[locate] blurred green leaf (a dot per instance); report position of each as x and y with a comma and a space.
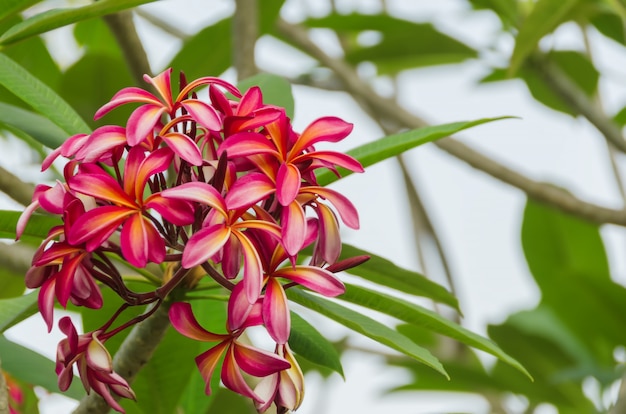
12, 7
33, 368
15, 310
43, 99
11, 283
403, 44
545, 16
567, 258
578, 68
276, 90
35, 125
392, 145
55, 18
366, 326
36, 229
506, 10
386, 273
81, 92
610, 25
417, 315
96, 38
211, 61
620, 117
226, 401
308, 343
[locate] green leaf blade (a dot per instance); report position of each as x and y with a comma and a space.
308, 343
392, 145
15, 310
276, 90
368, 327
43, 99
36, 126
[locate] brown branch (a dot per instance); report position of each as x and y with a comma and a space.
135, 352
122, 27
15, 188
397, 115
245, 33
578, 100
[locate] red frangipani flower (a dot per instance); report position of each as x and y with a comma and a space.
223, 189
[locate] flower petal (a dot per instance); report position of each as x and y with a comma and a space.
178, 212
330, 129
204, 244
142, 122
185, 147
232, 378
345, 208
294, 228
198, 192
125, 96
45, 302
332, 158
95, 226
252, 270
257, 362
249, 190
183, 320
101, 186
207, 361
203, 114
162, 84
101, 142
98, 357
141, 242
244, 144
288, 183
329, 240
315, 278
238, 308
276, 311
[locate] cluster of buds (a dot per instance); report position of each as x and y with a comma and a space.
225, 186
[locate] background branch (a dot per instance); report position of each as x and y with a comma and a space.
245, 33
15, 188
4, 394
122, 27
390, 110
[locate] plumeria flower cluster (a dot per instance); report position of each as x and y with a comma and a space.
224, 187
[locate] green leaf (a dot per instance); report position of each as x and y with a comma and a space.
33, 368
417, 315
611, 25
55, 18
36, 229
620, 117
308, 343
12, 7
578, 68
507, 10
43, 99
15, 310
386, 273
397, 49
212, 61
366, 326
81, 92
567, 258
276, 90
545, 16
35, 125
11, 282
392, 145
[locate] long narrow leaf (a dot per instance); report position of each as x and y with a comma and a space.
12, 7
35, 125
367, 326
33, 368
53, 19
392, 145
36, 229
308, 343
386, 273
422, 317
43, 99
17, 309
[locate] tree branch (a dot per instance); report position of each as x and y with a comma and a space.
122, 27
391, 111
4, 394
245, 33
15, 188
578, 100
135, 352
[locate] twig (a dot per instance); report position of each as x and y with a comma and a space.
4, 394
162, 24
15, 188
123, 28
578, 100
245, 33
390, 110
135, 352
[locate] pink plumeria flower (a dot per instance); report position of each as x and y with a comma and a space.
93, 362
239, 357
125, 206
285, 388
145, 118
222, 222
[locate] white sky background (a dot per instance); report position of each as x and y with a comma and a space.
478, 218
